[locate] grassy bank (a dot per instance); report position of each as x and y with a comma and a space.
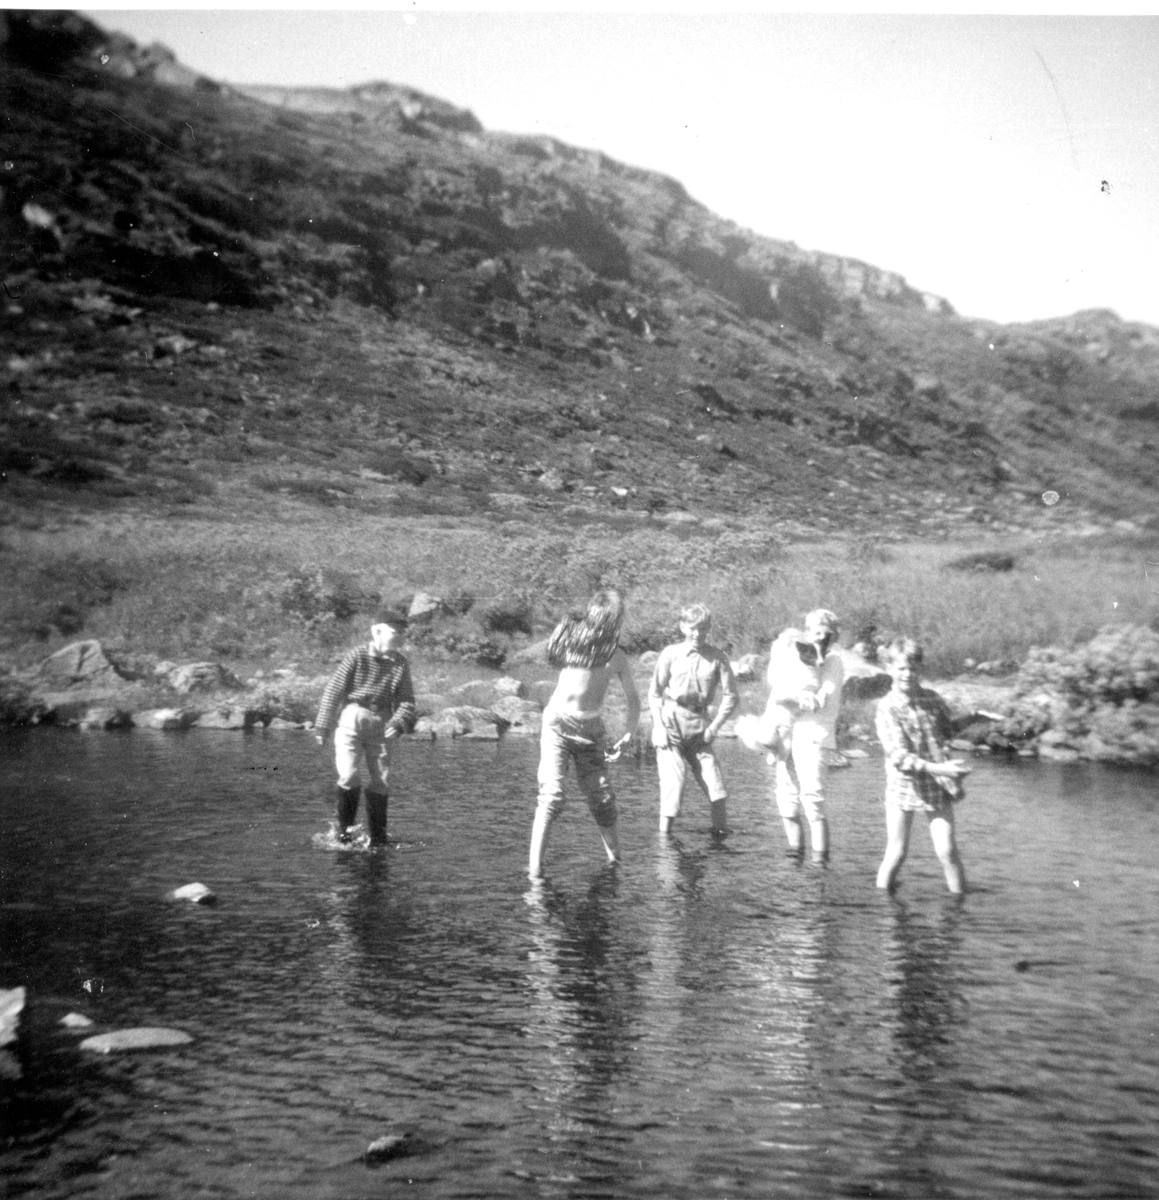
296, 587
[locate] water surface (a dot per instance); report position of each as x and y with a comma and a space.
707, 1020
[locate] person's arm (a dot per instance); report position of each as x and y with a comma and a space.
729, 698
899, 752
832, 680
660, 677
405, 710
333, 697
623, 671
949, 768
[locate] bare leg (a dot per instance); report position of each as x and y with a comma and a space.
897, 830
787, 798
540, 828
611, 842
946, 847
819, 830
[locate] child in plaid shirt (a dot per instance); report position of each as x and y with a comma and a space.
913, 725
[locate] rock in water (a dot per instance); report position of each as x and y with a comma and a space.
195, 893
391, 1145
75, 1021
144, 1038
11, 1006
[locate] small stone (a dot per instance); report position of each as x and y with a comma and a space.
143, 1038
75, 1021
195, 893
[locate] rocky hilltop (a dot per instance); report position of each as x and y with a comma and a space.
362, 298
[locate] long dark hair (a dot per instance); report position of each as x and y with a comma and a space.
588, 639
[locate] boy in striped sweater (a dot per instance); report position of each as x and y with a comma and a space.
367, 704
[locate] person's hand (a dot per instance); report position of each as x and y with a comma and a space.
617, 748
953, 768
708, 736
807, 702
321, 738
391, 731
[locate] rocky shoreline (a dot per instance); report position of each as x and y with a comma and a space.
1056, 706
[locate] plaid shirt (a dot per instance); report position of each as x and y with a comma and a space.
381, 683
914, 730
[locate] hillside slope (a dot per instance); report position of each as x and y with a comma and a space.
363, 299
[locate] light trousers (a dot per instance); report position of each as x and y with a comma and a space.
358, 735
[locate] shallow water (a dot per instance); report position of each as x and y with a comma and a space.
707, 1020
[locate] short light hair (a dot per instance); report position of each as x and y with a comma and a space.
695, 614
823, 618
903, 650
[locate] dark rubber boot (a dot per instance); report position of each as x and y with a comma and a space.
347, 811
376, 817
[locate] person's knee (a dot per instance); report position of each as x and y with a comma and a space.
602, 803
550, 803
604, 811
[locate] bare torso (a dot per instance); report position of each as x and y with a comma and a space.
581, 690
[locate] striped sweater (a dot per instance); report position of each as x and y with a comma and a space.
382, 684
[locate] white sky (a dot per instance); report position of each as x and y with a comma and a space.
1008, 163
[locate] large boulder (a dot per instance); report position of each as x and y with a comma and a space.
425, 607
81, 663
202, 677
467, 721
228, 716
524, 717
165, 718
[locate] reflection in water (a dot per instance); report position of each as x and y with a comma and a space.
919, 952
580, 1022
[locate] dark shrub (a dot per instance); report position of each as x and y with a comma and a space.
983, 560
317, 593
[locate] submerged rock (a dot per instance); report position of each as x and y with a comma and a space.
143, 1038
390, 1145
76, 1021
